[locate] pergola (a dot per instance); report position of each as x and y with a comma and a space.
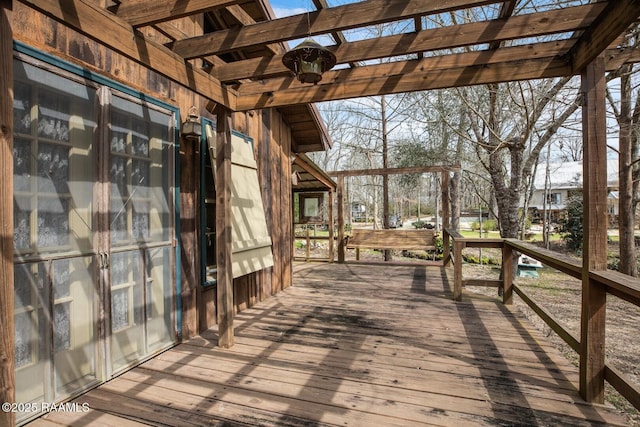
240, 68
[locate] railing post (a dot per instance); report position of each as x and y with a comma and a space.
446, 248
507, 273
457, 269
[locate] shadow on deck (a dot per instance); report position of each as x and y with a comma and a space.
355, 345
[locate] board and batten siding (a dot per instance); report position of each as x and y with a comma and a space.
268, 129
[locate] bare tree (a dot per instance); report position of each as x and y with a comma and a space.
627, 114
510, 125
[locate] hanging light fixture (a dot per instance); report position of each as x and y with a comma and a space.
192, 128
309, 60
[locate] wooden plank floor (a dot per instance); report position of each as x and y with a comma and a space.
354, 345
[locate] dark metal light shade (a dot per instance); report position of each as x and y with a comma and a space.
309, 60
191, 128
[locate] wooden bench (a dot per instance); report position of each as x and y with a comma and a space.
422, 239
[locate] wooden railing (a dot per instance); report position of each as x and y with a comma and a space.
622, 286
307, 238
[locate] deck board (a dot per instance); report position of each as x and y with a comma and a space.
356, 345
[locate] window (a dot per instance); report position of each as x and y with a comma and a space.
53, 194
138, 143
208, 205
554, 198
311, 207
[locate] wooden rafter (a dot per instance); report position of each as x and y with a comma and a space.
256, 65
612, 22
113, 32
146, 12
414, 78
515, 27
543, 51
305, 164
506, 10
338, 36
243, 18
417, 24
465, 69
320, 22
395, 171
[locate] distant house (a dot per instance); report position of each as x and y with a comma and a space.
565, 179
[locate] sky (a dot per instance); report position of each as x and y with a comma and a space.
294, 7
288, 7
284, 8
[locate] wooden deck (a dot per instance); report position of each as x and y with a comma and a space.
355, 345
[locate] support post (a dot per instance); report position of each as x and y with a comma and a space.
592, 334
446, 215
223, 228
331, 227
7, 356
188, 237
446, 200
340, 202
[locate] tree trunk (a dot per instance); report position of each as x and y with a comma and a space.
626, 220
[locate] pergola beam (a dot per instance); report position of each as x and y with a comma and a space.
612, 22
338, 36
542, 51
244, 18
395, 171
414, 79
330, 185
147, 12
510, 28
116, 34
506, 10
323, 21
534, 62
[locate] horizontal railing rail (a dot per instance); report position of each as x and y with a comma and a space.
307, 238
620, 285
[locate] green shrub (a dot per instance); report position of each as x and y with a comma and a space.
489, 225
418, 224
571, 230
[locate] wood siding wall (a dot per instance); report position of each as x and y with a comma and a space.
272, 139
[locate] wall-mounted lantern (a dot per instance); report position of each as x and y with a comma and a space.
192, 128
309, 60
